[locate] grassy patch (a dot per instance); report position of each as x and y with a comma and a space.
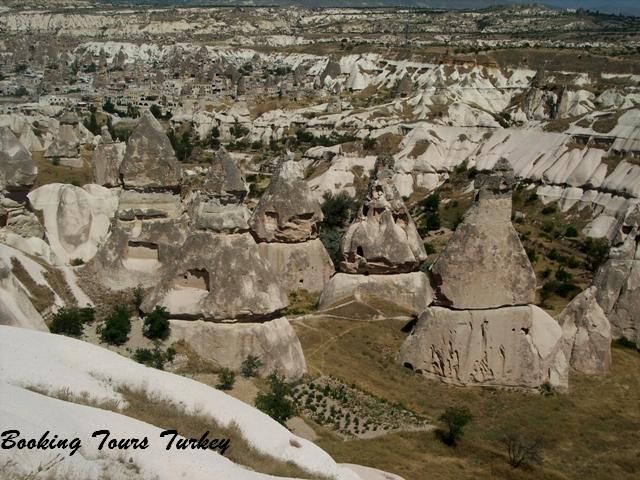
594, 431
301, 302
50, 173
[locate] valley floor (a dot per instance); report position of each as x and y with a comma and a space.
591, 433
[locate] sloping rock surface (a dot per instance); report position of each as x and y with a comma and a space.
274, 342
287, 212
484, 264
76, 219
17, 169
376, 296
512, 347
383, 238
218, 277
298, 266
586, 334
149, 160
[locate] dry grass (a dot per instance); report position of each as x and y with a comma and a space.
56, 279
50, 173
169, 416
41, 296
594, 430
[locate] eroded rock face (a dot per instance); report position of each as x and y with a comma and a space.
16, 308
149, 161
218, 277
224, 181
148, 205
17, 169
515, 347
107, 158
618, 288
287, 212
376, 296
484, 264
65, 148
383, 238
215, 217
298, 266
136, 251
274, 342
76, 219
586, 334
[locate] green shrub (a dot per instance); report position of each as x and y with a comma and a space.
430, 203
597, 250
138, 296
571, 231
155, 358
429, 248
531, 253
156, 324
624, 342
564, 289
116, 327
532, 198
562, 275
68, 321
455, 420
226, 379
337, 209
330, 238
549, 209
76, 262
276, 403
250, 366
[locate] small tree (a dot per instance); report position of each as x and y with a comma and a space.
138, 296
108, 106
337, 209
156, 324
277, 403
250, 366
67, 321
521, 451
156, 111
455, 419
226, 379
116, 327
597, 250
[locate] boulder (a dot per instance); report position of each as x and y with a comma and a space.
16, 308
218, 277
107, 158
149, 160
586, 334
383, 238
76, 219
518, 347
274, 342
224, 180
376, 296
484, 264
287, 212
17, 169
298, 266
